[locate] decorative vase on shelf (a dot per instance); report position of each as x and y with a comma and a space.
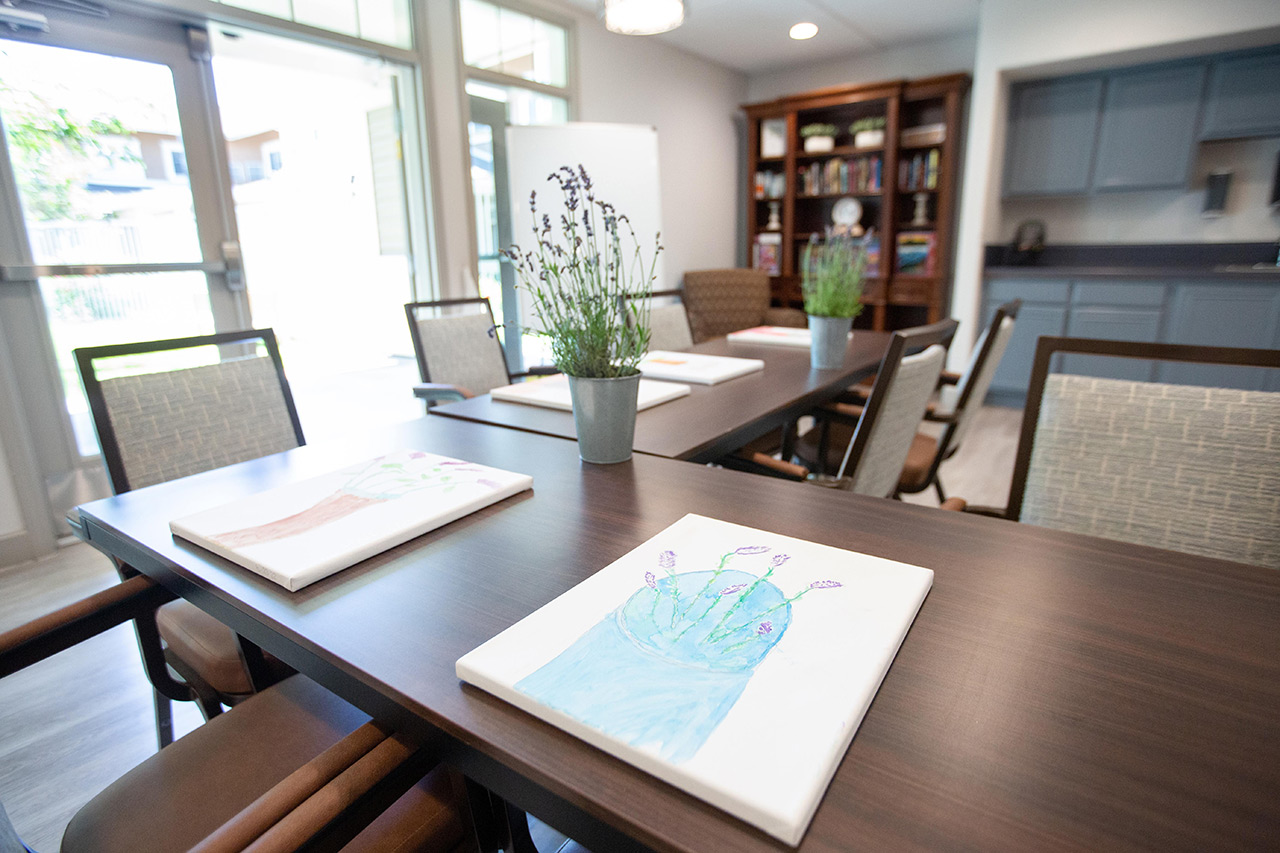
577, 273
819, 144
831, 280
604, 413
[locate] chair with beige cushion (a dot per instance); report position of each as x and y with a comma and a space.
292, 767
458, 351
1115, 448
172, 408
668, 320
722, 301
929, 449
870, 461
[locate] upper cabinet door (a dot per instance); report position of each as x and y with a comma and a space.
1243, 97
1052, 128
1148, 134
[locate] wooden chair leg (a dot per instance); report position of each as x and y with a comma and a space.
937, 487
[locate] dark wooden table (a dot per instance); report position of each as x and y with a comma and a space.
713, 420
1055, 691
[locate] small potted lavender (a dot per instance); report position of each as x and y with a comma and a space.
581, 264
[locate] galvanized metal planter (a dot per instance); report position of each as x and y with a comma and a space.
604, 412
829, 338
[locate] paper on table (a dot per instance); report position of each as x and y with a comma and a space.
302, 532
696, 367
733, 663
552, 392
780, 335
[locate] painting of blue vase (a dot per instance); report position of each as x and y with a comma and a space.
706, 657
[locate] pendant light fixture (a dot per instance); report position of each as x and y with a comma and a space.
642, 17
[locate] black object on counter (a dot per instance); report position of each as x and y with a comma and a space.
1028, 243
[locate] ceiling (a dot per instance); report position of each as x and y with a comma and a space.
751, 35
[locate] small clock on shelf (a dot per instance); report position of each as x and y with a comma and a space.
846, 217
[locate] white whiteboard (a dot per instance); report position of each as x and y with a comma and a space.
622, 160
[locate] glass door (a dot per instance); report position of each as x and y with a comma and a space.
486, 135
117, 231
315, 150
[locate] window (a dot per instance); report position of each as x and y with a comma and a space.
513, 44
179, 162
517, 73
383, 21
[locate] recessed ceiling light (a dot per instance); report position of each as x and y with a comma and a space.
804, 30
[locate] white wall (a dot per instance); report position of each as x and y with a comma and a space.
1024, 38
921, 59
694, 105
1167, 216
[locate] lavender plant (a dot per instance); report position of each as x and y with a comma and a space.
722, 618
832, 272
580, 267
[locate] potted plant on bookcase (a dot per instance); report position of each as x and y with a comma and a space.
580, 266
818, 137
831, 281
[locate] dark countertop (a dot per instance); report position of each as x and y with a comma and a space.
1146, 262
1058, 273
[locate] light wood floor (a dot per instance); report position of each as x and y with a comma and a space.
72, 724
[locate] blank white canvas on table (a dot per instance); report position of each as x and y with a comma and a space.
301, 532
744, 689
696, 367
552, 392
783, 336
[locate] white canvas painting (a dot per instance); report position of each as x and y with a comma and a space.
552, 392
733, 663
696, 367
783, 336
302, 532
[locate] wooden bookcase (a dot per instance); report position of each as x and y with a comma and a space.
892, 182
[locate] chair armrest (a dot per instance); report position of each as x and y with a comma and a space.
789, 470
63, 628
321, 794
931, 413
844, 413
437, 392
793, 317
954, 504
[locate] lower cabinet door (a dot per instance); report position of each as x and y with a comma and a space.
1238, 315
1014, 373
1113, 324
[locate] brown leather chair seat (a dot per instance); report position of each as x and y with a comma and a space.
209, 647
185, 791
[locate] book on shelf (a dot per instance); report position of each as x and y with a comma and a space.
732, 662
695, 367
920, 172
916, 253
552, 392
836, 176
770, 184
297, 534
768, 252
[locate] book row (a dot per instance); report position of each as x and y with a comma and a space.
831, 177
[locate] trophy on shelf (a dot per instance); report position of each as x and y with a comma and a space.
775, 217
